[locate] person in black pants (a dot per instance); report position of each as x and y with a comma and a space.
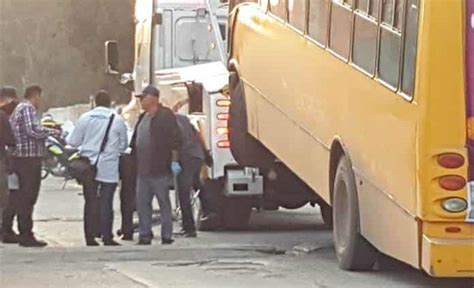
128, 194
102, 137
7, 139
192, 156
30, 148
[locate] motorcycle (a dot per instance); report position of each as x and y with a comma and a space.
58, 155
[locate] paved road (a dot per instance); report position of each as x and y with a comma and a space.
280, 249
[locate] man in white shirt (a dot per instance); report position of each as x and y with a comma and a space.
88, 135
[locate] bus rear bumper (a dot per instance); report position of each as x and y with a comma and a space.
448, 257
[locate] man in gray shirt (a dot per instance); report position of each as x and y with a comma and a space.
156, 142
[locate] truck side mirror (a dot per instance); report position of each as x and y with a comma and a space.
111, 57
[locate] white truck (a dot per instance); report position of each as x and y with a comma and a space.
181, 47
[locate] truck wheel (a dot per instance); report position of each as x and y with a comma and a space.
352, 250
211, 191
247, 151
326, 213
289, 201
236, 213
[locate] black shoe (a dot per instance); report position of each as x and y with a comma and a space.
10, 238
144, 242
127, 237
32, 242
166, 241
190, 234
111, 242
91, 242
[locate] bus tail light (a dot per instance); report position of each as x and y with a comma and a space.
223, 116
223, 103
451, 160
222, 131
452, 182
454, 205
452, 229
223, 144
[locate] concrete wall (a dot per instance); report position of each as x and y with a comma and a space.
59, 44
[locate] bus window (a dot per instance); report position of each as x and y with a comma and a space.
297, 13
411, 36
387, 11
318, 20
392, 13
390, 41
374, 8
278, 8
370, 7
365, 41
340, 35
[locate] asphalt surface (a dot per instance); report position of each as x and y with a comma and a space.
280, 249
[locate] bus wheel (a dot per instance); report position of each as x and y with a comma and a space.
352, 250
326, 213
236, 212
246, 150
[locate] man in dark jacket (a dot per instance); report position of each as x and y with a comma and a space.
7, 139
156, 142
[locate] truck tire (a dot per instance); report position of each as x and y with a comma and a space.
246, 150
291, 191
236, 213
213, 190
353, 252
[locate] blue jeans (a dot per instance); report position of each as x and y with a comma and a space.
106, 194
147, 188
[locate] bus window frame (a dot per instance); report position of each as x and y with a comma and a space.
344, 5
389, 27
303, 32
270, 12
366, 16
312, 40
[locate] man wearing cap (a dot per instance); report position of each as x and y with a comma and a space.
155, 142
7, 139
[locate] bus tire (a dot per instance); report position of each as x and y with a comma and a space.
353, 251
236, 213
246, 150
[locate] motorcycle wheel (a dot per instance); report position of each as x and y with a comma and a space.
44, 173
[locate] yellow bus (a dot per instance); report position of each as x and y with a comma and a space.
370, 103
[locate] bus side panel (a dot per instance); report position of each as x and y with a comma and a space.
387, 226
301, 97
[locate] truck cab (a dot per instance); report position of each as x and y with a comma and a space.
172, 34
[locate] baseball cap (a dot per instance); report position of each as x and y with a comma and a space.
149, 90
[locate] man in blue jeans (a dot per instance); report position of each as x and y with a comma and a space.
155, 142
89, 135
